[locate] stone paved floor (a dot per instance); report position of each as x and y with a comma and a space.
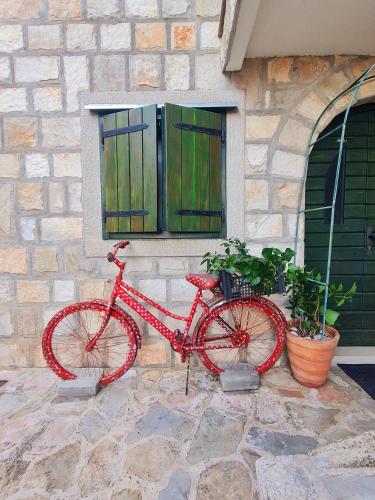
142, 438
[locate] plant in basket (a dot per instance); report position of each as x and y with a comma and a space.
243, 274
310, 352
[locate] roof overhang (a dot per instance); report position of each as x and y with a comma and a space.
277, 28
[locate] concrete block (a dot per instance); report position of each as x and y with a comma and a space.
241, 377
87, 385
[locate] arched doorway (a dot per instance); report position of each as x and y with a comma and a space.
353, 253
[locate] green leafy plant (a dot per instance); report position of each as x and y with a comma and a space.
260, 272
306, 299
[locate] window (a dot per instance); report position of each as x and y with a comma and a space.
162, 171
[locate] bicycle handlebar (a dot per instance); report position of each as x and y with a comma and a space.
111, 256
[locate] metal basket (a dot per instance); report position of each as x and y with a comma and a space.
235, 287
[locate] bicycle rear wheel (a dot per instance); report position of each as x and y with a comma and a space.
253, 328
68, 332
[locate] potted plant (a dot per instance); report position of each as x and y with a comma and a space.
262, 274
310, 352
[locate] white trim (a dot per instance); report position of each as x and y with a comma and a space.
354, 355
102, 107
240, 32
95, 246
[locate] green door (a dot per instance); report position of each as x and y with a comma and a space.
353, 253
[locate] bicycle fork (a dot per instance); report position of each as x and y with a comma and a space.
91, 344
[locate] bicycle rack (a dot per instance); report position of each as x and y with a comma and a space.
354, 88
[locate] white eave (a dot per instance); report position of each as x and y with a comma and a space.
277, 28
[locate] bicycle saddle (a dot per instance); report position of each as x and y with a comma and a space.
202, 281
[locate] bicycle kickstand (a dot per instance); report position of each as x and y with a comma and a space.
187, 376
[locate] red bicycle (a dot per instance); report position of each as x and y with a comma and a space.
99, 335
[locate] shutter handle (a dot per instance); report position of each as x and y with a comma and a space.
370, 239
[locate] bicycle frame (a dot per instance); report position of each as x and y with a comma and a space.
184, 344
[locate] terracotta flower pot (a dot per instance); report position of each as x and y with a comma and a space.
310, 360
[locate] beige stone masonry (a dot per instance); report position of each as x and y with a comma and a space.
115, 36
109, 72
145, 71
279, 70
13, 260
68, 9
19, 9
48, 37
183, 36
145, 9
9, 165
45, 260
102, 9
37, 69
261, 127
80, 37
60, 228
61, 133
150, 36
32, 291
11, 37
30, 196
47, 99
20, 134
13, 100
5, 73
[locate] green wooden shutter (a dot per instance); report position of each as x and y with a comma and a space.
130, 171
193, 161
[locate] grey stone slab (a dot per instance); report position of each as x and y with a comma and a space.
351, 487
178, 486
160, 420
81, 386
279, 443
240, 378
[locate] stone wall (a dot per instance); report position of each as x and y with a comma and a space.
51, 51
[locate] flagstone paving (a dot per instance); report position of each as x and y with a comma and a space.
142, 438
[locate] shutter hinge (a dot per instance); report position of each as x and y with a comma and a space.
125, 213
124, 130
203, 213
223, 136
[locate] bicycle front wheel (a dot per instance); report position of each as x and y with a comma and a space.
242, 331
68, 332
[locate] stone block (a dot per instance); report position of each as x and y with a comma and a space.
30, 196
334, 84
288, 164
80, 37
28, 228
13, 355
56, 196
98, 8
37, 69
92, 289
20, 134
146, 8
171, 8
6, 327
6, 291
249, 78
256, 155
182, 290
76, 263
67, 165
76, 80
261, 127
115, 36
68, 9
19, 9
311, 106
45, 259
241, 378
109, 73
11, 37
310, 68
81, 387
61, 132
144, 71
32, 291
256, 194
7, 219
45, 36
9, 165
359, 66
295, 135
172, 266
5, 73
259, 226
285, 195
47, 99
213, 79
177, 72
13, 100
27, 321
36, 165
279, 69
183, 36
63, 290
152, 354
75, 196
150, 36
209, 38
61, 228
154, 288
226, 479
208, 8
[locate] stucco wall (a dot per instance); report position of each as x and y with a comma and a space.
49, 54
